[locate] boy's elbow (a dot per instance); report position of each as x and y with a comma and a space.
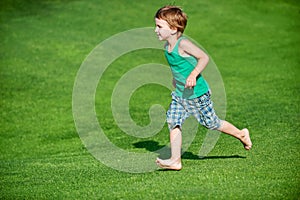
206, 58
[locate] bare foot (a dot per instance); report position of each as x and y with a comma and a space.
246, 139
168, 164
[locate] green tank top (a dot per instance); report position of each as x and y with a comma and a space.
181, 68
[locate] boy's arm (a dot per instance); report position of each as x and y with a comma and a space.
189, 48
174, 83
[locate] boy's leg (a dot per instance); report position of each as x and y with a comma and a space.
242, 135
174, 162
206, 115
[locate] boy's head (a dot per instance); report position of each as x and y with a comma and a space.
174, 16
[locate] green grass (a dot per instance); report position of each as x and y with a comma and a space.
255, 45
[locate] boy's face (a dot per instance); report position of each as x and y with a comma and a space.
163, 30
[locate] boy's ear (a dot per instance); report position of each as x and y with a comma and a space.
174, 31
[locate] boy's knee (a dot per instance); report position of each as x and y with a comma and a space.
172, 126
213, 125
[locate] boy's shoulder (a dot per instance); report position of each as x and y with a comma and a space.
184, 42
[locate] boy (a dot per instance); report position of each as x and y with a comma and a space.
192, 93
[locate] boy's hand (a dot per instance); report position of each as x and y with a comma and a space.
190, 81
174, 83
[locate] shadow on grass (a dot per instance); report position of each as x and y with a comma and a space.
153, 146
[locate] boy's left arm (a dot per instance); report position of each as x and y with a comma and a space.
203, 59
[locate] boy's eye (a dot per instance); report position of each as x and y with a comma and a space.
158, 26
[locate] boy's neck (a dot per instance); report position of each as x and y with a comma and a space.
172, 40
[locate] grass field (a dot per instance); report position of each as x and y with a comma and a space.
255, 45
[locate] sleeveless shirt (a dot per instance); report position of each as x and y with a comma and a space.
181, 67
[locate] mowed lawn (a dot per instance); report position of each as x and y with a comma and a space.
255, 45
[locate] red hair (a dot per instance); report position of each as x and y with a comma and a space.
174, 16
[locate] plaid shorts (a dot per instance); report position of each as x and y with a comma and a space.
201, 108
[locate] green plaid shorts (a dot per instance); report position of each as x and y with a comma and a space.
201, 108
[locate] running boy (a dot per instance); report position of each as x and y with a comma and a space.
192, 93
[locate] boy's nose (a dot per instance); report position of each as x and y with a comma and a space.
156, 29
